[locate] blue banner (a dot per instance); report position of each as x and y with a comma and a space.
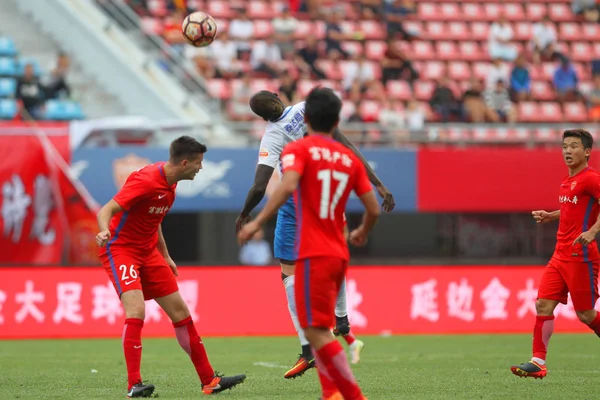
226, 177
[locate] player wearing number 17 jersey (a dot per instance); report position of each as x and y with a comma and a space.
321, 173
573, 268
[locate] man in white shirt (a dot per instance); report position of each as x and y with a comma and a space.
501, 34
284, 27
497, 72
543, 39
266, 57
241, 30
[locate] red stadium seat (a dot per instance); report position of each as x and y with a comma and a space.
569, 31
549, 112
583, 71
560, 12
372, 30
459, 70
219, 88
492, 11
158, 8
581, 51
480, 31
575, 112
220, 9
348, 108
399, 90
481, 69
352, 47
528, 111
590, 32
414, 27
450, 11
514, 12
260, 10
375, 50
447, 51
422, 51
429, 12
458, 31
473, 12
432, 70
424, 90
522, 31
542, 90
535, 11
152, 26
369, 110
262, 29
548, 70
436, 30
470, 51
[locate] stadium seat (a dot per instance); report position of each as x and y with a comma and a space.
8, 87
433, 70
423, 51
152, 25
219, 88
590, 32
260, 10
8, 67
348, 108
375, 50
436, 30
399, 90
7, 47
528, 111
581, 51
570, 31
481, 69
61, 110
514, 12
458, 31
542, 91
459, 70
353, 47
470, 51
429, 12
369, 110
492, 11
473, 12
424, 90
522, 31
262, 29
220, 9
480, 31
446, 51
549, 112
560, 12
450, 12
575, 112
535, 11
372, 30
8, 109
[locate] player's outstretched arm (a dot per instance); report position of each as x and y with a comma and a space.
256, 193
103, 217
388, 199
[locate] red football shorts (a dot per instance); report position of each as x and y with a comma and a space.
580, 279
149, 273
318, 282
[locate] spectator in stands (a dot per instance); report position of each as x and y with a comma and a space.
543, 40
499, 106
30, 92
307, 57
266, 57
391, 116
443, 101
359, 77
224, 54
520, 80
55, 84
499, 41
284, 27
474, 108
594, 100
356, 118
498, 71
288, 91
565, 81
587, 8
239, 110
396, 64
415, 117
257, 251
334, 36
241, 31
370, 9
202, 59
395, 13
182, 6
172, 29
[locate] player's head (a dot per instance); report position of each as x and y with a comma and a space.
267, 105
577, 146
186, 155
322, 110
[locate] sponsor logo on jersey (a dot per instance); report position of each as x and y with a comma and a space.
263, 152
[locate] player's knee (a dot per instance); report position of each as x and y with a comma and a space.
287, 268
587, 317
545, 307
135, 311
133, 304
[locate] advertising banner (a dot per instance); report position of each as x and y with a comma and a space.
80, 302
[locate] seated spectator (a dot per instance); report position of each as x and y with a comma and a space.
565, 81
55, 84
30, 92
520, 80
241, 31
288, 91
587, 8
594, 100
392, 119
257, 251
307, 57
499, 106
370, 9
498, 71
239, 109
395, 13
266, 57
499, 41
443, 101
415, 117
284, 27
334, 36
202, 59
474, 108
224, 54
359, 78
397, 65
543, 40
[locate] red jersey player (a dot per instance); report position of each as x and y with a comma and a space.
321, 173
573, 267
135, 257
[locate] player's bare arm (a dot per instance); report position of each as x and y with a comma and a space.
388, 199
162, 247
103, 217
542, 216
255, 194
289, 183
358, 237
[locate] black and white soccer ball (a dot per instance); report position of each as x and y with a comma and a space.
199, 29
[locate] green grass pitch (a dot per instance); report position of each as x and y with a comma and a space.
397, 367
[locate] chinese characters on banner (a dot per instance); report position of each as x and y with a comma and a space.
81, 302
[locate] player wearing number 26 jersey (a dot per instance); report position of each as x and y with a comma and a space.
321, 174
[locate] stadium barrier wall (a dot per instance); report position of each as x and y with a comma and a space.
79, 302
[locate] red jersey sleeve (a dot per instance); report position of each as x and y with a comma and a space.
293, 158
362, 184
593, 186
132, 191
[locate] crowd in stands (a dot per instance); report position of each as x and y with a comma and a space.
28, 91
400, 62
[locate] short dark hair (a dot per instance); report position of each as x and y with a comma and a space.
267, 105
322, 109
586, 138
185, 147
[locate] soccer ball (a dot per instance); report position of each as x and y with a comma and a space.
199, 29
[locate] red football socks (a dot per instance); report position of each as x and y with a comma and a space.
595, 325
349, 338
191, 343
132, 347
544, 325
332, 357
329, 388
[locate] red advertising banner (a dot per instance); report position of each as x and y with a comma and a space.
30, 219
489, 179
80, 302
